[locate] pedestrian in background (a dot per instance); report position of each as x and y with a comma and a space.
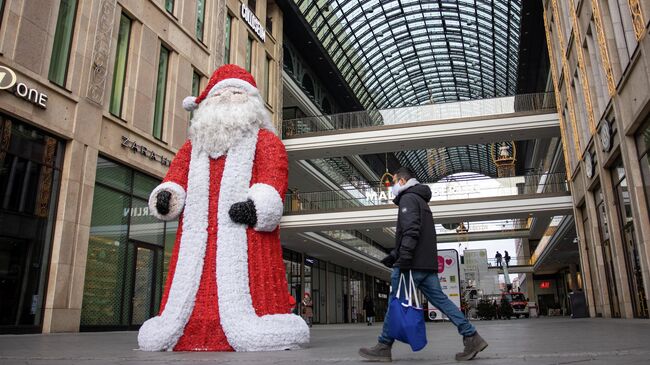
507, 258
369, 308
307, 309
416, 252
498, 257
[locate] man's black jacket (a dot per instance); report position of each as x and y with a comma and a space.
416, 246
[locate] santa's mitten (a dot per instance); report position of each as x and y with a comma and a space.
243, 213
268, 206
167, 200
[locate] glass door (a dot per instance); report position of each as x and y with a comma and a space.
145, 283
639, 300
611, 279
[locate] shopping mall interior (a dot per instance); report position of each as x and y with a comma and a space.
529, 121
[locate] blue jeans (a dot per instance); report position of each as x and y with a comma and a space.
429, 284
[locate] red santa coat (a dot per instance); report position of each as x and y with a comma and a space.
226, 288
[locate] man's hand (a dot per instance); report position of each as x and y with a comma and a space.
162, 201
405, 259
388, 261
244, 213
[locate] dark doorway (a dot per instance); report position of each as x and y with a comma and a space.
30, 170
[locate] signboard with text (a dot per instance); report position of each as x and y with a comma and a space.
449, 276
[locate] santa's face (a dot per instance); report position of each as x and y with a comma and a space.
223, 118
229, 95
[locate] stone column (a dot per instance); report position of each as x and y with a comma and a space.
70, 240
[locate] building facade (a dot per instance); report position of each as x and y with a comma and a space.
90, 118
599, 56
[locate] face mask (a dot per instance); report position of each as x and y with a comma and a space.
395, 189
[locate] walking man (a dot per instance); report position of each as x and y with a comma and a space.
416, 251
506, 256
498, 257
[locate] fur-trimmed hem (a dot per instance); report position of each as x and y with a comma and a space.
161, 333
245, 330
176, 203
268, 205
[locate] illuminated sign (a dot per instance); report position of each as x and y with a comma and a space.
253, 22
545, 285
9, 82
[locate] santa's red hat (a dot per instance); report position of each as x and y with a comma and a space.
225, 76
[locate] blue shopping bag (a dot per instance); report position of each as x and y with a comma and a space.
406, 321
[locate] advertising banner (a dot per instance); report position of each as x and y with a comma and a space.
449, 275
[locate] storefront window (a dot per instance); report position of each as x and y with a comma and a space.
30, 173
608, 258
630, 247
337, 294
316, 276
293, 267
593, 267
643, 147
356, 297
128, 250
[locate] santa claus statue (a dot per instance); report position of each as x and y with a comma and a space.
226, 288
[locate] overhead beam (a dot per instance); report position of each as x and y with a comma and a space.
422, 135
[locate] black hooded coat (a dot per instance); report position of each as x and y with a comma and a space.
416, 246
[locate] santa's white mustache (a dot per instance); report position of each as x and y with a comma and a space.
221, 120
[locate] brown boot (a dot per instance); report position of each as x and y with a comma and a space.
473, 345
380, 352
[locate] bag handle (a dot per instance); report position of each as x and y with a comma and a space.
399, 287
413, 292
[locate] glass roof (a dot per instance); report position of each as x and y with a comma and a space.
405, 52
396, 53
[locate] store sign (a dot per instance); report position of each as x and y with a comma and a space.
138, 148
545, 285
9, 82
253, 22
449, 276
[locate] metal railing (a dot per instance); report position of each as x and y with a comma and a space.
537, 102
374, 194
514, 261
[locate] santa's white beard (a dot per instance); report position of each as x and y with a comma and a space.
219, 122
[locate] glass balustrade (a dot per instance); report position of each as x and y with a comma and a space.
523, 103
375, 194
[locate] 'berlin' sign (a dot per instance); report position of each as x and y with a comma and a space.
253, 22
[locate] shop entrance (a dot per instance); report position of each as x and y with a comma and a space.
146, 282
30, 168
127, 251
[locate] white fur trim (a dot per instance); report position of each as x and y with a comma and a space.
161, 333
236, 83
189, 103
245, 330
176, 203
268, 205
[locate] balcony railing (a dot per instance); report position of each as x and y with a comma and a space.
538, 102
514, 261
374, 194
